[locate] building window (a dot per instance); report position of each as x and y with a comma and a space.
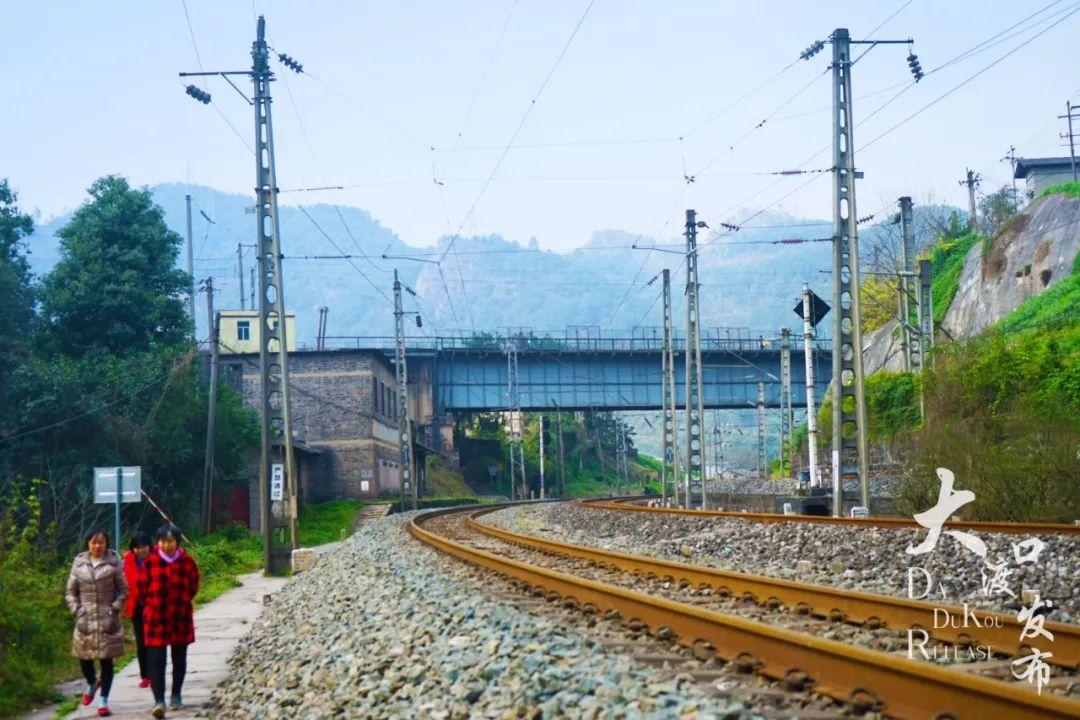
243, 330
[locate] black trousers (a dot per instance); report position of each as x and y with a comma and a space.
87, 667
156, 658
140, 646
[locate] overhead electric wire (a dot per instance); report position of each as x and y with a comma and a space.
338, 248
479, 87
524, 119
964, 82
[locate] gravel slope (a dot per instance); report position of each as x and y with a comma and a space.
870, 559
387, 628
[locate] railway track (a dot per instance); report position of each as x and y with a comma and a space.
745, 620
632, 505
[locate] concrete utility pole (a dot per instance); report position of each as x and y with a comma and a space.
516, 461
695, 407
277, 482
908, 336
252, 286
811, 410
972, 180
1010, 157
320, 333
190, 268
559, 450
409, 481
787, 415
543, 427
849, 404
620, 455
762, 454
275, 392
669, 439
211, 413
240, 271
924, 306
1068, 116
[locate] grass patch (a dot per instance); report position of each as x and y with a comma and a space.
1057, 307
322, 523
946, 261
441, 481
222, 556
1069, 189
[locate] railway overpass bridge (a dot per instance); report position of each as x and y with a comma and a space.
576, 372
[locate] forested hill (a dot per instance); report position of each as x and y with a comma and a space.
747, 280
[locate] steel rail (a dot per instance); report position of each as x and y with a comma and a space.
997, 631
898, 687
884, 522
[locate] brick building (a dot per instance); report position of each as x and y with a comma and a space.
344, 408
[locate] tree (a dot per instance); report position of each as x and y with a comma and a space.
999, 207
116, 286
16, 288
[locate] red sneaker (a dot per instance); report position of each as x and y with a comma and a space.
104, 712
89, 698
144, 683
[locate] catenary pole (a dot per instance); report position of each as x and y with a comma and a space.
190, 265
277, 514
694, 398
211, 412
849, 405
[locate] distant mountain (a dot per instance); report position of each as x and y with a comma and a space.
748, 280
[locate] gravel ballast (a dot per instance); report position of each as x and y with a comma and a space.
863, 558
386, 627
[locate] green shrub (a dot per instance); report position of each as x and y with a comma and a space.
1070, 189
1003, 413
946, 262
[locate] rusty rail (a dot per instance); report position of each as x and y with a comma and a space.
896, 686
884, 522
996, 630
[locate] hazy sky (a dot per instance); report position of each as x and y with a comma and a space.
93, 89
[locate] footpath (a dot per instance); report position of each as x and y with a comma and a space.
218, 626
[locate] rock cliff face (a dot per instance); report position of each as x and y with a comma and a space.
1032, 252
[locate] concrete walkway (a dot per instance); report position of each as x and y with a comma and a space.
218, 626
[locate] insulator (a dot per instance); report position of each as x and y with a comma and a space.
916, 68
200, 95
812, 50
290, 63
729, 226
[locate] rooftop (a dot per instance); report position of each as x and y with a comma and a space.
1024, 166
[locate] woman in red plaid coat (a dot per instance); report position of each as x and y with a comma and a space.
168, 581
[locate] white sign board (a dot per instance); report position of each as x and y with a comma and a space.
788, 510
365, 486
860, 511
277, 481
105, 484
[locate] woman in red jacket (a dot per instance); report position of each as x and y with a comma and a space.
167, 585
138, 550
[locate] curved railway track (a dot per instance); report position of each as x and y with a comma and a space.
630, 505
862, 678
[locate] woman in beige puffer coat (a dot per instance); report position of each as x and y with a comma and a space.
96, 590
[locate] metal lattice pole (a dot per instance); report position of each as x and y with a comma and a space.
787, 417
273, 344
924, 307
408, 479
667, 427
695, 410
849, 405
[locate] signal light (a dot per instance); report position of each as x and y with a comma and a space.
916, 68
419, 322
290, 63
200, 95
812, 50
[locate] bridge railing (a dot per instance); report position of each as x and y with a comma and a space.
542, 343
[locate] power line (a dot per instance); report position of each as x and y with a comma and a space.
521, 123
338, 248
964, 82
